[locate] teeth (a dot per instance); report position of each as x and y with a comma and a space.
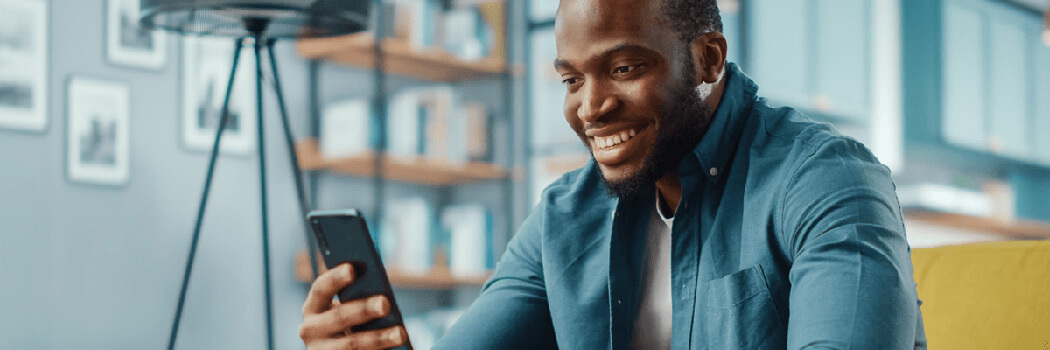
609, 141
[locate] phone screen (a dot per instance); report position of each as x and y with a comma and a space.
342, 237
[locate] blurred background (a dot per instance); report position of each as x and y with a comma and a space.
105, 131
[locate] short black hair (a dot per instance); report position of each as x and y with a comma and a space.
692, 18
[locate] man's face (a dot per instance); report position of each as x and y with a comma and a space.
630, 96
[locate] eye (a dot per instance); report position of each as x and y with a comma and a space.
624, 69
570, 81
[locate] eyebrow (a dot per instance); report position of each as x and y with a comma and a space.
559, 64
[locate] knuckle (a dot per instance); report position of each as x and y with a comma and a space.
363, 341
348, 313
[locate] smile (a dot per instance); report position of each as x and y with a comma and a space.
606, 142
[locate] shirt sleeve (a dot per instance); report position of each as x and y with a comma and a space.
852, 285
512, 310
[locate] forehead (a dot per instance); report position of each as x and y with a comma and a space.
587, 27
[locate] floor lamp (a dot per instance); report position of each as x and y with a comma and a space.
262, 22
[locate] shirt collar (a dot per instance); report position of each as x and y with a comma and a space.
716, 148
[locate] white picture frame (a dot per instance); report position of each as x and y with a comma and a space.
205, 72
23, 65
97, 137
127, 44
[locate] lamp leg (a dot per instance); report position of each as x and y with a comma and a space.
304, 207
223, 118
259, 45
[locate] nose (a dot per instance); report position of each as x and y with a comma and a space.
598, 101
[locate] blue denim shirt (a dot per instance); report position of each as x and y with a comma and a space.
788, 235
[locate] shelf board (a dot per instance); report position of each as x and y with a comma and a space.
1019, 229
400, 57
436, 279
420, 170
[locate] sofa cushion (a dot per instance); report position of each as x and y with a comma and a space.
985, 295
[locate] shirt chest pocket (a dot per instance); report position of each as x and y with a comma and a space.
739, 313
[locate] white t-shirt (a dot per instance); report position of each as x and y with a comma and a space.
652, 325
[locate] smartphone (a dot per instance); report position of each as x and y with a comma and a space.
342, 237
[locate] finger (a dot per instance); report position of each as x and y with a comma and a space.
324, 288
377, 339
341, 318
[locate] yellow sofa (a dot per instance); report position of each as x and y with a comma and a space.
985, 295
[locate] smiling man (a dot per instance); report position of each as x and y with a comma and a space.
706, 220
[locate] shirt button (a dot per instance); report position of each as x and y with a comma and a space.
714, 171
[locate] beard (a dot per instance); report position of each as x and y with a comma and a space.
683, 120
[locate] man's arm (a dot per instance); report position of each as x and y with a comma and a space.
512, 311
851, 280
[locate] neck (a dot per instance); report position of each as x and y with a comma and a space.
670, 189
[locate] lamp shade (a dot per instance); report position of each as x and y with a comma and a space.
267, 18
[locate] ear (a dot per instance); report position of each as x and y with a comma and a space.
709, 56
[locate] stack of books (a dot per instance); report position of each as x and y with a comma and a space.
466, 29
435, 123
422, 122
411, 238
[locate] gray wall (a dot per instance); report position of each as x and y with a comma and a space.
94, 267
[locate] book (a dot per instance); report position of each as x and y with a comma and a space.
403, 124
477, 129
469, 230
405, 234
345, 129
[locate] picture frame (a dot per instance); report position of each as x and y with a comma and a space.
97, 131
127, 43
23, 65
206, 68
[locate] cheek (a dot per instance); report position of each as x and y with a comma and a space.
569, 111
646, 99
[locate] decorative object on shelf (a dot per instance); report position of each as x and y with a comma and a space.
97, 118
23, 64
206, 62
127, 43
262, 22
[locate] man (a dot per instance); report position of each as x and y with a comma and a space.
706, 219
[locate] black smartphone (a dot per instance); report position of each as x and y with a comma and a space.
342, 237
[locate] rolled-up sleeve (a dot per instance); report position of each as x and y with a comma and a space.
851, 278
512, 311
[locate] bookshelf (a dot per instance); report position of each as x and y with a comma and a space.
419, 170
439, 278
484, 194
1015, 229
400, 57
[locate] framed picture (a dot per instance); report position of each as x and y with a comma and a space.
127, 43
23, 64
205, 71
97, 118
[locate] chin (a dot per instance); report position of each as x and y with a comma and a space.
620, 172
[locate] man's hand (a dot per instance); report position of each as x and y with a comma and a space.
326, 322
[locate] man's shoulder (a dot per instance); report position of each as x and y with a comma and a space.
780, 125
789, 135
